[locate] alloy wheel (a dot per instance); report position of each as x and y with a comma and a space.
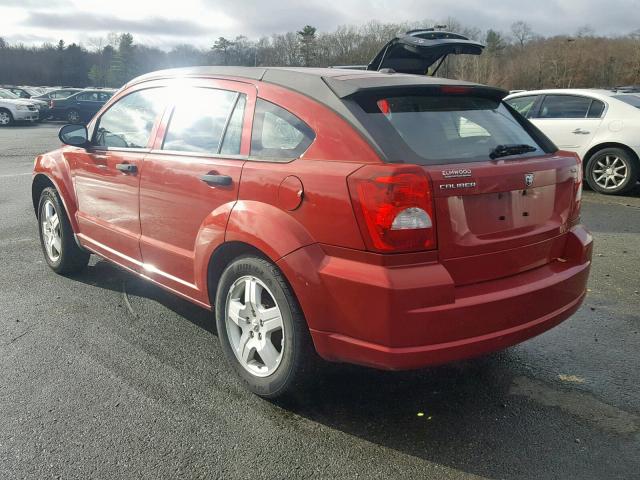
254, 326
610, 172
51, 231
5, 118
73, 116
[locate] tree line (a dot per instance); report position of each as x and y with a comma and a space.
517, 59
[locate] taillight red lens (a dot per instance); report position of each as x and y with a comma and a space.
394, 207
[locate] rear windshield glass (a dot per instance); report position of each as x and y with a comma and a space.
441, 129
633, 100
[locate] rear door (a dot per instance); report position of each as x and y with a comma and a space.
191, 178
571, 121
88, 104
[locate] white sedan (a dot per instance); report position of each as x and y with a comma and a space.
601, 126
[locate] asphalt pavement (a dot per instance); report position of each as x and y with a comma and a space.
105, 376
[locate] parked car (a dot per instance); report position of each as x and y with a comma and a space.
389, 220
41, 105
14, 109
79, 107
601, 126
58, 93
22, 92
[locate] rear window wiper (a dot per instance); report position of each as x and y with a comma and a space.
514, 149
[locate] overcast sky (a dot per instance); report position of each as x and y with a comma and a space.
168, 23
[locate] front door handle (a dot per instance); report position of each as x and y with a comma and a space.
126, 167
579, 131
218, 180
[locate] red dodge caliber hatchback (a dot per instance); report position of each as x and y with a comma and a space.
389, 220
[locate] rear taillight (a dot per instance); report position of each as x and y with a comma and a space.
575, 213
394, 207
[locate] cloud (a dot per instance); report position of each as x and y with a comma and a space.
106, 23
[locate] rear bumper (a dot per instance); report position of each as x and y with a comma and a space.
404, 317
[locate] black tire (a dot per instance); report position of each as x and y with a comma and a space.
6, 117
298, 357
595, 166
73, 116
71, 257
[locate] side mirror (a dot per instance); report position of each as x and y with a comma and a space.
75, 135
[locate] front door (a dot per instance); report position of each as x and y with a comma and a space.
107, 176
190, 180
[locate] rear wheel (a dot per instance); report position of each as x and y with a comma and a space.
612, 171
6, 118
73, 116
61, 251
261, 328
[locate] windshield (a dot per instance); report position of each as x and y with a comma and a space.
8, 94
454, 128
633, 100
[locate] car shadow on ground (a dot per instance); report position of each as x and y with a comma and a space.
482, 416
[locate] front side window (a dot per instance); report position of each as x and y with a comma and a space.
564, 106
278, 134
523, 105
129, 121
199, 119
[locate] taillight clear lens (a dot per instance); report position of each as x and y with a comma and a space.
411, 219
394, 207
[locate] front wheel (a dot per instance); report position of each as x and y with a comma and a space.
612, 171
61, 251
261, 328
6, 118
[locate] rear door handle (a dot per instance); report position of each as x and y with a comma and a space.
211, 179
579, 131
126, 167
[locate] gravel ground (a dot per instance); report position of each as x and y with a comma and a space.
105, 376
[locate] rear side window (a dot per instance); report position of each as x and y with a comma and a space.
446, 128
596, 109
199, 120
523, 105
278, 134
129, 121
233, 135
564, 106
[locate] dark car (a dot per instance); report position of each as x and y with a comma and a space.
60, 93
80, 106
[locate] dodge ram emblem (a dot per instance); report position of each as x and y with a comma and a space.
528, 179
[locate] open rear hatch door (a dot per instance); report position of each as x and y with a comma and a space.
419, 50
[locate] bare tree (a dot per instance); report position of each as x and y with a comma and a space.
522, 33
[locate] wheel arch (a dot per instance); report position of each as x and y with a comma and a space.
53, 171
601, 146
221, 258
